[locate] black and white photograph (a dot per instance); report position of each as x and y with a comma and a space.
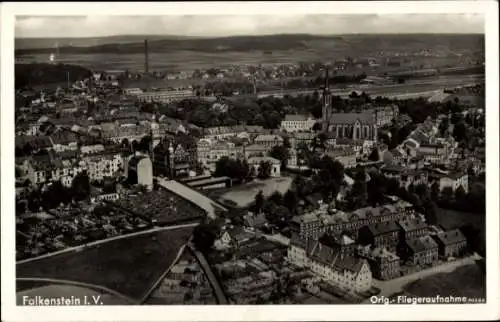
322, 159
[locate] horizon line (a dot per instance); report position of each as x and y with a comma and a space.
262, 35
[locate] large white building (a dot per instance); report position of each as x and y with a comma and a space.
166, 96
140, 170
102, 165
297, 122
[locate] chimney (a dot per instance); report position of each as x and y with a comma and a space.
146, 57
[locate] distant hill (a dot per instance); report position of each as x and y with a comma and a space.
134, 44
30, 75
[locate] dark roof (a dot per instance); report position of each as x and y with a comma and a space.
412, 224
451, 237
331, 257
422, 244
296, 117
383, 228
350, 118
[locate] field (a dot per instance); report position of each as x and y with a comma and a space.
189, 54
467, 281
129, 266
244, 195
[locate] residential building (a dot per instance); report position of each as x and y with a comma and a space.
235, 237
421, 251
297, 123
140, 170
104, 164
269, 140
256, 163
451, 180
346, 156
383, 263
307, 226
209, 152
451, 243
256, 150
384, 235
412, 229
343, 270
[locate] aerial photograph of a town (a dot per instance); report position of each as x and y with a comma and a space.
228, 160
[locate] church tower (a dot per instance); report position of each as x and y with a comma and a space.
326, 101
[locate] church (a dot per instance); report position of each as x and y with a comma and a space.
356, 126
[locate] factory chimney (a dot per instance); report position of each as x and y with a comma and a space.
146, 57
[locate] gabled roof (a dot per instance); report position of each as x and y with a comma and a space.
351, 118
335, 259
412, 224
383, 228
451, 237
421, 244
295, 117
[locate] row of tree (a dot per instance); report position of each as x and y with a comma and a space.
240, 171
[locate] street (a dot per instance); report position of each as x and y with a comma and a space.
396, 285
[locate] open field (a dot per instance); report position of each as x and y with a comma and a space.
469, 281
244, 195
129, 266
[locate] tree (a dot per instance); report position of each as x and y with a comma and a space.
374, 155
276, 198
447, 193
55, 195
444, 125
80, 186
265, 168
290, 200
435, 191
259, 201
281, 153
204, 236
460, 194
431, 212
460, 132
317, 127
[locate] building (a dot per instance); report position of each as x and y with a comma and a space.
384, 235
307, 226
383, 263
451, 180
352, 125
297, 123
331, 263
209, 152
421, 251
166, 96
235, 237
140, 171
256, 150
256, 163
412, 229
346, 156
385, 115
268, 140
103, 164
451, 243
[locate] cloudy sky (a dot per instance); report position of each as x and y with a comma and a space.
206, 26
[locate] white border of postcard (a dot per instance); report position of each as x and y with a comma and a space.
10, 312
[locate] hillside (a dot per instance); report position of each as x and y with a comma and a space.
28, 75
225, 44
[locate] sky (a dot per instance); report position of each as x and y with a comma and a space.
228, 25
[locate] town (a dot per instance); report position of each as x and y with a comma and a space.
245, 194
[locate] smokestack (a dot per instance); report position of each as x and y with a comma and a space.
146, 57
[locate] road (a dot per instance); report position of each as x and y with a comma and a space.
210, 206
396, 285
81, 247
219, 293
